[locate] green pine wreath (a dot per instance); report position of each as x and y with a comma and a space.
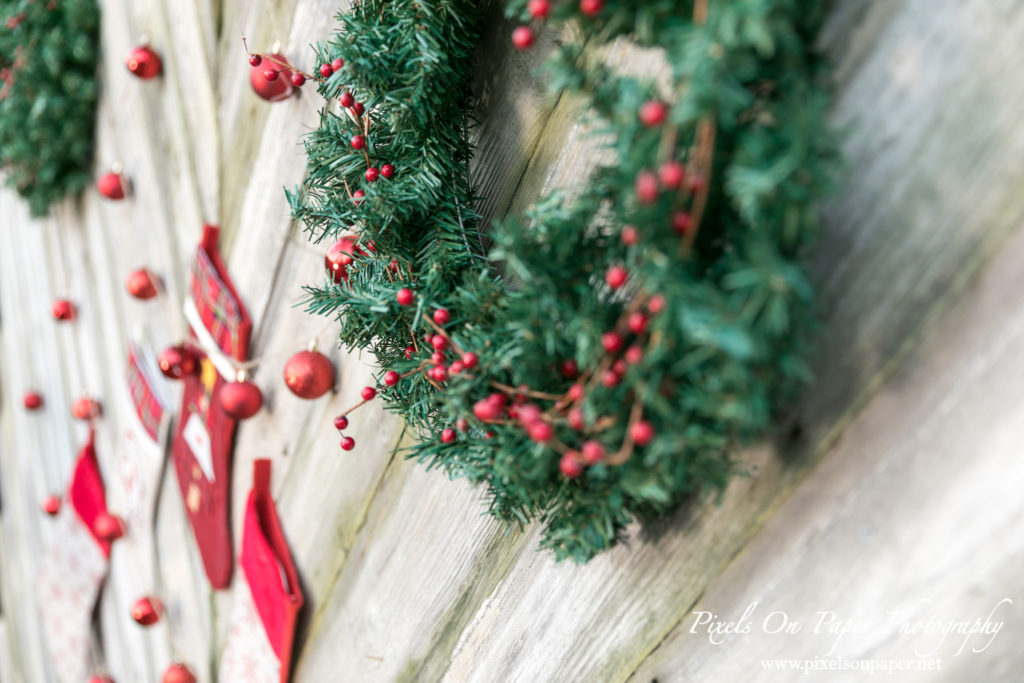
48, 93
600, 358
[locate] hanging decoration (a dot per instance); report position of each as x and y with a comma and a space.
600, 358
32, 400
62, 310
86, 408
147, 610
267, 596
73, 568
178, 673
202, 443
142, 284
240, 399
309, 374
144, 62
51, 505
271, 77
113, 185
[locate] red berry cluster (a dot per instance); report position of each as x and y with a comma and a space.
523, 36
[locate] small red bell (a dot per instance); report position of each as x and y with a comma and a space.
147, 610
86, 408
178, 362
112, 185
108, 527
142, 284
51, 505
143, 62
277, 88
62, 309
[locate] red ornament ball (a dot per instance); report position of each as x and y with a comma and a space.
387, 170
309, 374
178, 362
86, 408
298, 80
391, 378
348, 443
326, 70
522, 37
142, 284
108, 527
265, 81
591, 7
51, 505
32, 400
340, 422
112, 186
62, 309
337, 63
653, 113
646, 187
339, 257
448, 435
616, 276
147, 611
143, 62
240, 400
569, 466
404, 297
539, 9
178, 673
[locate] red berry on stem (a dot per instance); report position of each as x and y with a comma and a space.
439, 342
591, 7
409, 351
340, 422
616, 276
610, 378
298, 79
448, 435
404, 296
358, 108
569, 466
528, 413
32, 400
539, 9
653, 113
469, 359
636, 322
682, 222
619, 367
346, 100
337, 63
540, 432
646, 187
357, 196
387, 170
656, 304
368, 393
593, 452
456, 367
442, 316
437, 357
642, 432
522, 37
611, 341
372, 174
462, 424
391, 378
326, 70
270, 74
633, 355
570, 369
348, 443
486, 409
575, 392
629, 235
695, 182
255, 60
358, 142
440, 373
671, 175
576, 420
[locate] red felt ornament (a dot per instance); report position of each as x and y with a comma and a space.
242, 399
112, 185
32, 400
62, 309
108, 527
178, 362
339, 257
147, 610
51, 505
86, 408
309, 374
142, 284
273, 90
143, 62
178, 673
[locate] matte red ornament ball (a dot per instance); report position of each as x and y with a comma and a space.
265, 81
616, 276
143, 62
240, 400
348, 443
339, 257
653, 113
340, 422
147, 610
112, 186
298, 80
337, 63
326, 70
32, 400
51, 505
309, 374
372, 174
591, 7
404, 296
391, 378
86, 408
569, 466
358, 142
108, 527
522, 37
178, 362
539, 9
142, 284
178, 673
388, 171
368, 393
448, 435
346, 100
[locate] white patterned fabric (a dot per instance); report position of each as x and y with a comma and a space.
68, 583
249, 656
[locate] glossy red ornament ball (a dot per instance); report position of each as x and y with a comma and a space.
86, 408
178, 673
388, 171
143, 62
653, 113
147, 610
348, 443
337, 63
51, 505
642, 432
340, 422
62, 309
142, 284
372, 174
522, 37
358, 142
309, 374
32, 400
265, 82
448, 435
539, 9
108, 527
646, 187
569, 466
616, 276
391, 378
404, 297
240, 400
591, 7
298, 80
112, 185
592, 452
671, 175
346, 100
326, 70
339, 257
178, 362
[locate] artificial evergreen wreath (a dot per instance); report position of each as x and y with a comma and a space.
48, 92
598, 359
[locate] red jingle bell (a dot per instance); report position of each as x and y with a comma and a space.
178, 673
241, 400
108, 527
62, 309
86, 408
178, 362
147, 610
339, 257
112, 185
271, 90
32, 400
143, 62
309, 374
51, 505
142, 284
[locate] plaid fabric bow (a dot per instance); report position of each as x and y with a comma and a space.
217, 306
147, 405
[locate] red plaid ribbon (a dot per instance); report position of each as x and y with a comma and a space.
218, 308
147, 407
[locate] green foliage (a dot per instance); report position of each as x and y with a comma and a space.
48, 92
728, 344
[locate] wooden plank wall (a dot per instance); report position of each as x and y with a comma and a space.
901, 483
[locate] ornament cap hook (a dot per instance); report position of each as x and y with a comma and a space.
276, 48
314, 344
